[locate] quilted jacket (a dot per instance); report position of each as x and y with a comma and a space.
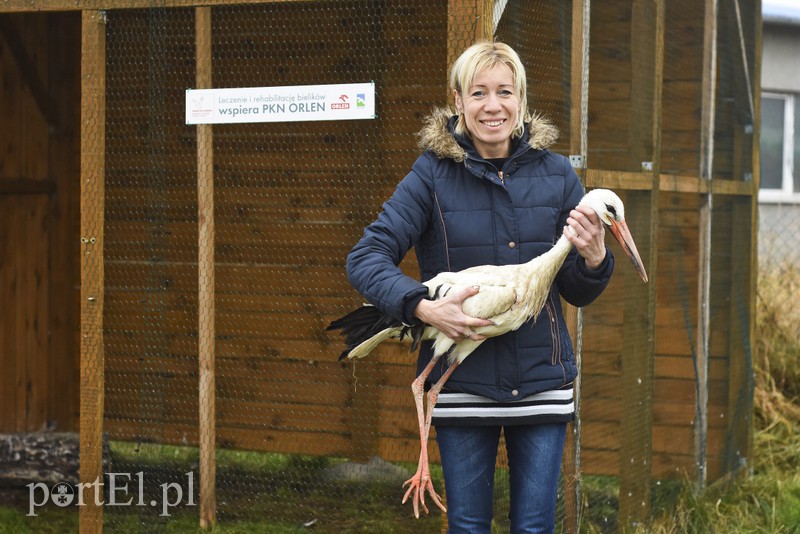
457, 212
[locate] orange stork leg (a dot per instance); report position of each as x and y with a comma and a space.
421, 481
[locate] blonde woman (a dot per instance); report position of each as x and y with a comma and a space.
486, 190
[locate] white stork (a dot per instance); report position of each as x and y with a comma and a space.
508, 295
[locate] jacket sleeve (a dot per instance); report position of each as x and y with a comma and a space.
577, 283
372, 264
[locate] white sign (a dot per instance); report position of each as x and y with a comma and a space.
281, 104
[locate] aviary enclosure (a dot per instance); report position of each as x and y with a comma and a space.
166, 284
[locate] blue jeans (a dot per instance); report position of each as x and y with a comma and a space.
468, 457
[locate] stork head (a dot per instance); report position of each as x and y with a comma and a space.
611, 211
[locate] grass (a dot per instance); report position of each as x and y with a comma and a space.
291, 494
256, 492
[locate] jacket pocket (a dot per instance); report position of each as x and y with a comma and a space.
555, 334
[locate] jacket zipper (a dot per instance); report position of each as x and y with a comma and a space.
444, 230
500, 175
554, 333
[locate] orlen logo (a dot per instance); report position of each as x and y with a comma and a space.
344, 104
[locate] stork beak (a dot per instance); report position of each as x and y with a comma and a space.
623, 235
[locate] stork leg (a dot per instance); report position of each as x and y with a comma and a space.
421, 481
433, 395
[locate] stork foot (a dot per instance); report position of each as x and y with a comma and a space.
417, 486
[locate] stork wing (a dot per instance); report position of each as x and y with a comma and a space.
489, 302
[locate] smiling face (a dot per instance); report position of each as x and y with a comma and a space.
491, 109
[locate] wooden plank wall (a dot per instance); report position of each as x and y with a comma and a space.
674, 388
675, 377
39, 280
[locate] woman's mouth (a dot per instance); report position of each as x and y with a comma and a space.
493, 123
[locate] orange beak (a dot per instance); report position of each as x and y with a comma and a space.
623, 235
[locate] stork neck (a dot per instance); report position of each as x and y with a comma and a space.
560, 250
550, 262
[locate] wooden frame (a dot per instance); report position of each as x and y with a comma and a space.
579, 101
647, 46
205, 262
93, 56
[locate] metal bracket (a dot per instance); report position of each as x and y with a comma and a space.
647, 166
576, 160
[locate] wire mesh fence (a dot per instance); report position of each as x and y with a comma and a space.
214, 257
288, 201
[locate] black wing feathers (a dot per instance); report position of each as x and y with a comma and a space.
361, 324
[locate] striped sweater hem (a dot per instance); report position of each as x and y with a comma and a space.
552, 406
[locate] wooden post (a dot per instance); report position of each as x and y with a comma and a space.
205, 267
468, 21
743, 268
704, 245
647, 58
753, 275
579, 99
93, 117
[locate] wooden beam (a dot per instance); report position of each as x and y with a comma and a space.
702, 355
630, 181
643, 181
23, 6
579, 98
636, 451
736, 188
206, 286
743, 283
93, 120
27, 68
468, 21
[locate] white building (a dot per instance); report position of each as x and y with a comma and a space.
779, 195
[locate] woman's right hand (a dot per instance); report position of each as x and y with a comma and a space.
446, 316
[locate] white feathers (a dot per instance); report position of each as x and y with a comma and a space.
508, 295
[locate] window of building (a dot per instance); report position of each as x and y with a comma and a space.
780, 148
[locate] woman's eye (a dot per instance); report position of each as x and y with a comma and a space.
477, 94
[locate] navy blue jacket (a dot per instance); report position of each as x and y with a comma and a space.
457, 212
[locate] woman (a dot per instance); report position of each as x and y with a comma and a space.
487, 191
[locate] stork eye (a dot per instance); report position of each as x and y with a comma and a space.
612, 210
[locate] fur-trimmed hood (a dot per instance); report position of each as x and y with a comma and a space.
437, 135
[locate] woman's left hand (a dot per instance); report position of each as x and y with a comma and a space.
588, 235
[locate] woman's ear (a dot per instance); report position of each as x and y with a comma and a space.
459, 104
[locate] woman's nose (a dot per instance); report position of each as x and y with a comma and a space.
492, 103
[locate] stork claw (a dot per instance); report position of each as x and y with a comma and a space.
417, 486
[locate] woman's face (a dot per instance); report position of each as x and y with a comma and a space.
490, 107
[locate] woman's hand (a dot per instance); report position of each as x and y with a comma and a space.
446, 316
586, 232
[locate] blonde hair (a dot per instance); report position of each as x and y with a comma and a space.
484, 55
